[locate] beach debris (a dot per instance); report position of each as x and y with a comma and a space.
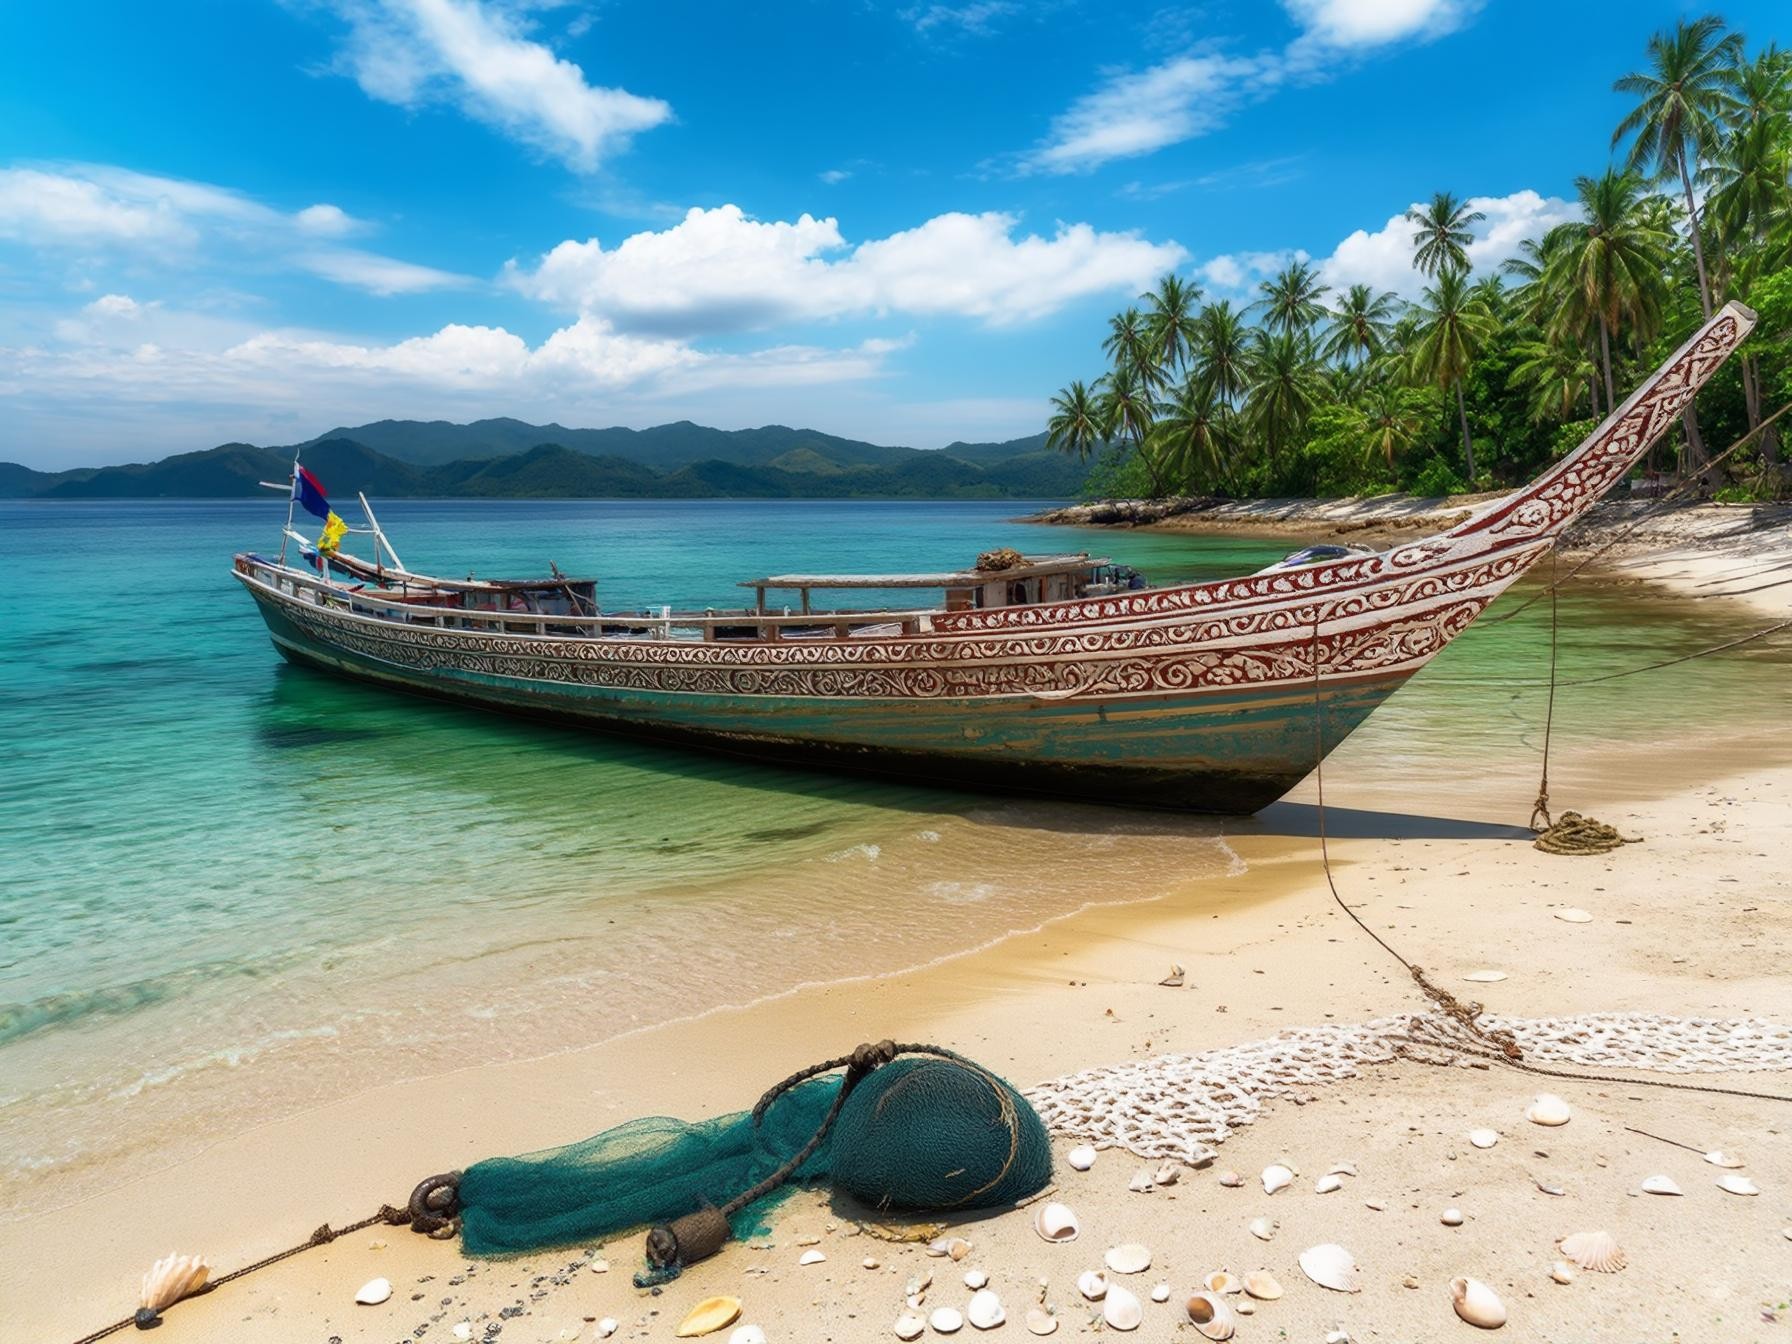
1477, 1304
170, 1279
975, 1279
1211, 1316
1262, 1285
1141, 1183
747, 1334
708, 1316
1230, 1179
1330, 1266
1129, 1257
1056, 1222
1276, 1177
946, 1320
1041, 1322
1263, 1228
1562, 1272
811, 1258
985, 1310
1168, 1174
1660, 1185
374, 1292
1081, 1157
1451, 1218
1549, 1109
1717, 1157
1485, 977
1121, 1310
1222, 1281
1175, 978
1328, 1183
1569, 914
1483, 1138
1092, 1284
909, 1326
1738, 1185
1597, 1251
1160, 1292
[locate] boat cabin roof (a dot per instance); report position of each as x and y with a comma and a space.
1031, 567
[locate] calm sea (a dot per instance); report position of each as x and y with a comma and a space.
234, 888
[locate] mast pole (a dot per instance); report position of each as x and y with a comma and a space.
292, 497
379, 534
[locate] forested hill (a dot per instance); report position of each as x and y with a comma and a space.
512, 460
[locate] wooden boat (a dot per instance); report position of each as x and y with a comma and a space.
1048, 676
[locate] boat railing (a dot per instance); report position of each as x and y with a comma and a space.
709, 625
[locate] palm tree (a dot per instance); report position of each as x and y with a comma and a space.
1170, 321
1556, 375
1393, 421
1291, 301
1076, 425
1127, 412
1453, 326
1194, 432
1682, 99
1284, 386
1611, 262
1221, 351
1128, 346
1441, 237
1359, 326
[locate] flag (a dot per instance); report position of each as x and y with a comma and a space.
331, 537
308, 494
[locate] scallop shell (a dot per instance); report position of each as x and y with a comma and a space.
985, 1310
1326, 1184
1717, 1157
1477, 1304
1262, 1285
374, 1292
1594, 1250
708, 1316
1081, 1157
1562, 1272
172, 1278
747, 1334
1056, 1222
1121, 1310
1276, 1177
1041, 1321
1661, 1185
1231, 1179
1568, 914
1130, 1257
955, 1247
1092, 1284
1211, 1316
1549, 1109
1222, 1281
1263, 1228
1330, 1266
909, 1326
1483, 1138
1450, 1218
1738, 1185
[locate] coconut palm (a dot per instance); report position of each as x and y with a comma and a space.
1453, 326
1170, 321
1291, 301
1127, 412
1076, 424
1683, 97
1284, 385
1441, 234
1193, 438
1393, 420
1222, 344
1129, 346
1556, 377
1359, 326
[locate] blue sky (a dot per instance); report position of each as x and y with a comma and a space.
257, 219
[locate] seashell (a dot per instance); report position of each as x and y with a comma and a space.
600, 1266
1483, 1138
1211, 1316
1485, 977
1451, 1218
909, 1326
747, 1334
1562, 1272
1660, 1185
1244, 1306
1738, 1185
1140, 1183
1551, 1189
1175, 978
1548, 1109
1717, 1157
1477, 1304
1092, 1284
958, 1248
1055, 1222
1128, 1258
810, 1258
975, 1279
1041, 1321
870, 1262
1330, 1266
1326, 1184
1231, 1179
709, 1316
985, 1310
1121, 1310
1263, 1228
1339, 1336
1276, 1177
1262, 1285
463, 1331
1082, 1157
1342, 1169
946, 1320
1168, 1174
606, 1327
1222, 1281
1160, 1292
1594, 1250
1568, 914
173, 1277
374, 1292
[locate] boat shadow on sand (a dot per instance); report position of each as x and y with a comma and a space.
1360, 823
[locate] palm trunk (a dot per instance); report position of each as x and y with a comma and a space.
1605, 356
1468, 444
1751, 398
1698, 245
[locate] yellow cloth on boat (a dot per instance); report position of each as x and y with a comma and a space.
331, 537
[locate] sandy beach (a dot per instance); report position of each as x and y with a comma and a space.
1691, 922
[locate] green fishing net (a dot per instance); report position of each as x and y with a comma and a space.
918, 1134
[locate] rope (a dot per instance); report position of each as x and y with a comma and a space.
1706, 652
1541, 807
1575, 834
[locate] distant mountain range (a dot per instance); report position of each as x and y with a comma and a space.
507, 459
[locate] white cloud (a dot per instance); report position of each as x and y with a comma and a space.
1369, 23
325, 221
409, 52
720, 270
114, 305
1383, 258
1239, 272
975, 19
376, 274
835, 176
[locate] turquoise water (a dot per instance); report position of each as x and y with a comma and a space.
236, 887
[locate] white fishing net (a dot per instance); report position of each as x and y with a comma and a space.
1175, 1106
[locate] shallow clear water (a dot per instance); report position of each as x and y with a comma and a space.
235, 887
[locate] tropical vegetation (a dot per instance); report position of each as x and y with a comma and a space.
1487, 374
